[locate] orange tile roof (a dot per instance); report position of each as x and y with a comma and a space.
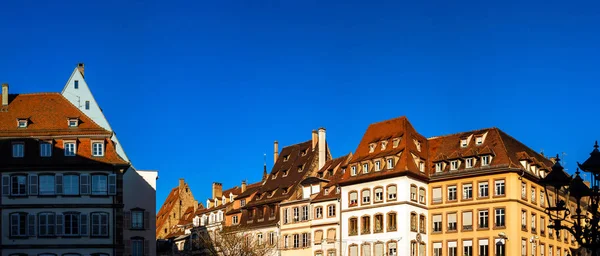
336, 165
163, 213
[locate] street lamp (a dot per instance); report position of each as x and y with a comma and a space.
584, 223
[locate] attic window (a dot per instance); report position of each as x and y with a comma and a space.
285, 173
383, 144
285, 190
353, 168
22, 123
478, 140
286, 157
330, 172
418, 145
396, 142
326, 192
73, 122
300, 168
304, 152
439, 167
76, 84
463, 143
372, 147
274, 175
454, 165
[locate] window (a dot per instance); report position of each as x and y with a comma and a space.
47, 185
542, 250
422, 223
500, 217
284, 173
463, 143
305, 240
137, 247
365, 168
353, 250
70, 184
452, 251
378, 227
87, 105
451, 193
304, 213
319, 212
413, 248
98, 149
71, 224
296, 240
99, 184
331, 210
542, 225
523, 247
366, 196
469, 163
100, 223
365, 225
483, 189
392, 249
235, 220
390, 163
485, 160
353, 226
18, 185
524, 220
366, 249
392, 221
499, 188
379, 249
478, 140
391, 190
483, 219
18, 150
437, 249
439, 167
377, 165
437, 195
76, 84
70, 149
18, 224
413, 192
22, 123
483, 247
542, 201
533, 196
467, 191
467, 248
454, 165
452, 225
437, 223
467, 220
353, 198
413, 221
137, 219
422, 166
318, 236
271, 238
524, 190
378, 194
353, 168
331, 235
259, 238
73, 122
533, 221
46, 221
422, 195
296, 213
45, 149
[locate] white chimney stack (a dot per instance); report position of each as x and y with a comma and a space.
322, 143
4, 94
275, 151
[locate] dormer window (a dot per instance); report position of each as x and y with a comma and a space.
383, 144
353, 168
330, 172
304, 152
469, 163
372, 147
286, 157
326, 192
230, 197
463, 143
418, 145
485, 160
366, 168
454, 165
396, 142
73, 122
377, 165
300, 168
390, 163
478, 140
98, 148
274, 175
285, 173
422, 166
22, 123
285, 190
70, 148
439, 167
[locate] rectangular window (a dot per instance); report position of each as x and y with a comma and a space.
137, 219
353, 168
366, 196
467, 248
392, 221
73, 122
304, 240
524, 190
100, 224
524, 220
304, 213
378, 194
463, 143
87, 105
467, 220
483, 189
18, 224
438, 167
437, 223
331, 211
45, 149
499, 188
76, 84
500, 217
500, 247
391, 192
437, 195
533, 222
485, 160
452, 225
533, 195
479, 140
390, 163
483, 247
137, 247
18, 150
467, 191
454, 165
47, 185
99, 185
98, 149
71, 226
46, 224
542, 226
451, 193
483, 219
413, 193
437, 249
377, 166
70, 149
422, 195
469, 163
365, 168
18, 185
523, 247
70, 184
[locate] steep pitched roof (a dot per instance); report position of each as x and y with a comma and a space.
336, 166
163, 213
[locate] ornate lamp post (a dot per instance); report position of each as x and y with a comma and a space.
584, 222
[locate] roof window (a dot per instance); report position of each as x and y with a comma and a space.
300, 168
384, 144
22, 122
73, 122
304, 152
396, 142
286, 157
463, 143
285, 173
478, 140
372, 147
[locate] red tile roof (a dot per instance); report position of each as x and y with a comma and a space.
164, 212
335, 166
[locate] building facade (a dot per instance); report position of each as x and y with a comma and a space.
173, 210
62, 179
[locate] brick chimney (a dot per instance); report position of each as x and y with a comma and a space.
217, 190
243, 186
322, 150
81, 68
315, 139
275, 151
181, 183
4, 94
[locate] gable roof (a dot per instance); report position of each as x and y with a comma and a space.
163, 213
336, 166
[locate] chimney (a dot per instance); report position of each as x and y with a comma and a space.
81, 68
314, 139
181, 183
322, 143
217, 190
4, 94
243, 186
195, 205
275, 152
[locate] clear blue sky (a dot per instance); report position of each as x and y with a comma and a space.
201, 89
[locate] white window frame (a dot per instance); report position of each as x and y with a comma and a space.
439, 167
390, 163
353, 170
377, 165
67, 148
365, 167
499, 184
97, 148
22, 123
485, 160
454, 165
469, 162
73, 122
96, 178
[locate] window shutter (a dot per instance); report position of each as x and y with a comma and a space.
31, 224
59, 184
59, 224
33, 184
5, 185
127, 219
84, 188
83, 224
146, 220
127, 247
112, 184
146, 247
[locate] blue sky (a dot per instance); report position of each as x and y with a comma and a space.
201, 90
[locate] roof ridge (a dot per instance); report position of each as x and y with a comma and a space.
392, 119
33, 93
457, 133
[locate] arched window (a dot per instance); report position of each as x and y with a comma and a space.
353, 196
378, 195
366, 249
365, 224
378, 226
413, 192
353, 226
422, 197
413, 221
353, 250
391, 191
366, 196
